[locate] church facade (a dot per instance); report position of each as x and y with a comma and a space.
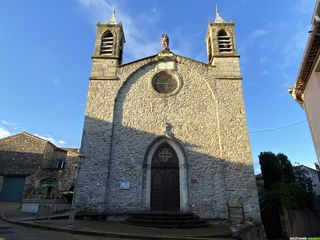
166, 133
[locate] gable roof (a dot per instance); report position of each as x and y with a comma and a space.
25, 134
154, 58
34, 137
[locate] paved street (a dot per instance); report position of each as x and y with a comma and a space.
10, 231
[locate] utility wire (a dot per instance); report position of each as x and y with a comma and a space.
279, 128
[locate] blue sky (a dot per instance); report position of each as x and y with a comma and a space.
46, 49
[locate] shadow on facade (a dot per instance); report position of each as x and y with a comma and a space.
115, 154
22, 174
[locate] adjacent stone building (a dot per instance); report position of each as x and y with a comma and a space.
166, 133
28, 162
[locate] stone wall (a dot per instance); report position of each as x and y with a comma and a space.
140, 117
65, 176
21, 154
301, 223
123, 117
27, 155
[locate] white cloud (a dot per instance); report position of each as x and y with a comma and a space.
9, 128
10, 124
98, 7
138, 43
291, 57
287, 79
294, 48
62, 142
3, 121
4, 133
258, 33
59, 143
230, 9
252, 39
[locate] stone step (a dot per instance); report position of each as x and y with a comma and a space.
167, 220
163, 214
165, 217
155, 225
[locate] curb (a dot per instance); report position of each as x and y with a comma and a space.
96, 233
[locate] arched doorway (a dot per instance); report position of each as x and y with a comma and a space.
49, 187
165, 183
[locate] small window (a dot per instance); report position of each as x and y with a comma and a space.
107, 43
224, 41
165, 83
60, 164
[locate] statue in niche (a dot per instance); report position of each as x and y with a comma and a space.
165, 41
169, 130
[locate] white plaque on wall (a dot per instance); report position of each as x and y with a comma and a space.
125, 185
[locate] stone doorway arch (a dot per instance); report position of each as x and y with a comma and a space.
165, 187
166, 162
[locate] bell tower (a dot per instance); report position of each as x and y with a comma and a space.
221, 44
108, 49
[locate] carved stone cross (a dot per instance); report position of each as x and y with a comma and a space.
165, 155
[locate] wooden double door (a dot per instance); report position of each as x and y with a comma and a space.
165, 186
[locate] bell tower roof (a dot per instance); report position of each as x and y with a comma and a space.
112, 19
220, 40
109, 41
218, 19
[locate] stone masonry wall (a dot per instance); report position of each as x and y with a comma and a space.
191, 112
65, 177
124, 116
35, 158
20, 154
96, 143
240, 180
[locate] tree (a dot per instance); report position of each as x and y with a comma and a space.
286, 169
270, 169
283, 184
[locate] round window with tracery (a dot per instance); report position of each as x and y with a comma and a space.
164, 82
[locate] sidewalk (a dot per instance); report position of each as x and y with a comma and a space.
11, 213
